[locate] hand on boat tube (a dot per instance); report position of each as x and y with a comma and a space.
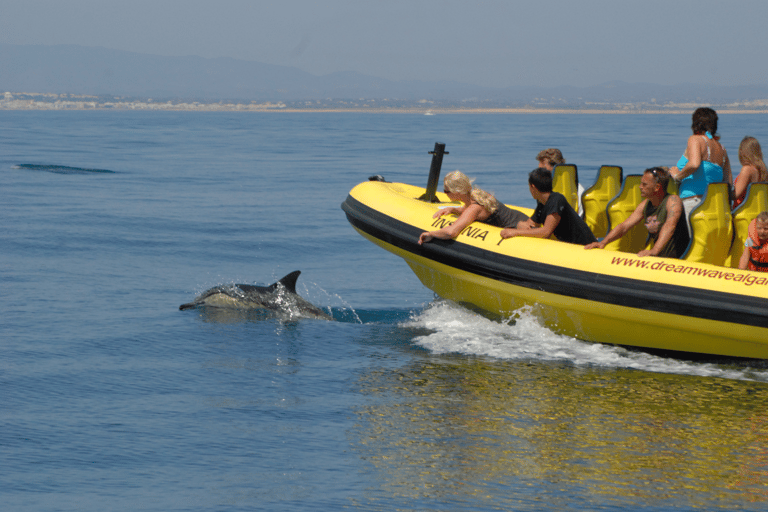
595, 245
425, 237
446, 211
509, 232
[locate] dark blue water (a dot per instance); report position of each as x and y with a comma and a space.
113, 399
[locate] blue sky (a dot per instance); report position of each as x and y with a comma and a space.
484, 42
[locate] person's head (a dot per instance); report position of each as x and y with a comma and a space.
541, 179
761, 223
704, 120
654, 181
750, 153
549, 158
456, 182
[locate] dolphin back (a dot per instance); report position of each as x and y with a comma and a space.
280, 297
289, 282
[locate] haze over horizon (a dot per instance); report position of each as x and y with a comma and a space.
489, 43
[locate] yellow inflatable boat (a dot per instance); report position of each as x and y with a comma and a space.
697, 304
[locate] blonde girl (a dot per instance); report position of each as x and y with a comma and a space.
752, 168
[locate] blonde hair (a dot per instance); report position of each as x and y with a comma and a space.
458, 183
485, 199
750, 153
762, 217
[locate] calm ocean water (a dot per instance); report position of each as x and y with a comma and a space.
113, 399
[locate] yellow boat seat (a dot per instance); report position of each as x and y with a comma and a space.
619, 209
755, 201
711, 227
672, 187
565, 179
596, 198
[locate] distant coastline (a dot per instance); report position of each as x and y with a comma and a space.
20, 101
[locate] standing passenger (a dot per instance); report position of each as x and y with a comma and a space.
752, 168
755, 255
704, 161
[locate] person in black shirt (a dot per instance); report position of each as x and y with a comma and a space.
553, 214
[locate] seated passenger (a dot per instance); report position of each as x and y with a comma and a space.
663, 216
548, 159
478, 205
755, 255
553, 214
752, 168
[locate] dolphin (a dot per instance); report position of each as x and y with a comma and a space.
280, 297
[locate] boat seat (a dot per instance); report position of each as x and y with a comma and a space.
565, 179
672, 187
711, 227
596, 198
755, 201
619, 209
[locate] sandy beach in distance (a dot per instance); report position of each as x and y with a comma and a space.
514, 111
422, 111
35, 101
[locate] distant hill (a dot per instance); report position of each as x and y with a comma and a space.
74, 69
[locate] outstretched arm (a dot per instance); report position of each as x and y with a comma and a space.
467, 217
544, 231
620, 230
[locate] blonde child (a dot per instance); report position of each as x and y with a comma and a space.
755, 255
752, 168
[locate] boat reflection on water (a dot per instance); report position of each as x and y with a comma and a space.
452, 426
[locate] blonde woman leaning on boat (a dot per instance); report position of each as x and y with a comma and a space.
478, 205
752, 168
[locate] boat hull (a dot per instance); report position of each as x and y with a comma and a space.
596, 295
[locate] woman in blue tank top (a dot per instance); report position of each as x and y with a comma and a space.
705, 161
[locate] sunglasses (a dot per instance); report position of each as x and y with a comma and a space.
656, 173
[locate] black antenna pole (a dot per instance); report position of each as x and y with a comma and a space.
434, 172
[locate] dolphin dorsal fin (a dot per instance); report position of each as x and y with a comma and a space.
289, 281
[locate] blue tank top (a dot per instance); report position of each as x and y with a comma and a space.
695, 184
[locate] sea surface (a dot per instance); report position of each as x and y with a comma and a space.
113, 399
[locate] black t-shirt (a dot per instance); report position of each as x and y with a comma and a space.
505, 217
572, 228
